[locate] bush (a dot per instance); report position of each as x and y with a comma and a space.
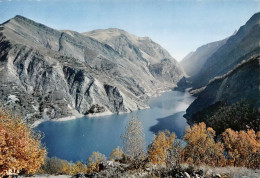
56, 166
243, 148
94, 162
51, 166
117, 154
77, 168
157, 152
201, 147
20, 147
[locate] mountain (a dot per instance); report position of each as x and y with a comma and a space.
138, 49
194, 61
240, 46
230, 75
47, 74
241, 83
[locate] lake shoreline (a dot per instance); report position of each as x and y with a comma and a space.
103, 133
107, 113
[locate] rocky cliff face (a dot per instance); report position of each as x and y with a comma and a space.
240, 46
48, 74
241, 83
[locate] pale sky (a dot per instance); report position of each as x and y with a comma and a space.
180, 26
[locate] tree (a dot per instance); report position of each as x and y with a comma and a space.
79, 167
134, 139
20, 147
243, 148
116, 154
96, 157
52, 165
242, 115
201, 147
94, 162
56, 166
161, 144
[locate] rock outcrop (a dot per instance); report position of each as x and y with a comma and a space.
46, 73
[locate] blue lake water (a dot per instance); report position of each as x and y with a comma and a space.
75, 140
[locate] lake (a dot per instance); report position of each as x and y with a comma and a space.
75, 140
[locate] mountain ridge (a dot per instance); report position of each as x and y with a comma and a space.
231, 53
230, 75
65, 73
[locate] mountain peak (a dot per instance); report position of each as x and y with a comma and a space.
255, 19
19, 18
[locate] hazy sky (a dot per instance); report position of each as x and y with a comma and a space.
180, 26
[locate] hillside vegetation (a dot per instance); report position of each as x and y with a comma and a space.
22, 153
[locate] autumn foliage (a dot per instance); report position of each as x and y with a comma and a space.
22, 152
161, 144
117, 154
238, 149
201, 147
20, 147
94, 162
243, 148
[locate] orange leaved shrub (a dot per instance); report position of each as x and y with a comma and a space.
243, 148
20, 147
201, 147
159, 147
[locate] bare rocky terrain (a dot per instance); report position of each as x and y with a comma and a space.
47, 74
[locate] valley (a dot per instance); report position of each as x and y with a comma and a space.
77, 95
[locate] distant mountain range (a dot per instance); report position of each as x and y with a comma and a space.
226, 71
47, 74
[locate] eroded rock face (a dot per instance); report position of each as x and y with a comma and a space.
54, 74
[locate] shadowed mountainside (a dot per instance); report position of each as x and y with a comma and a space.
240, 46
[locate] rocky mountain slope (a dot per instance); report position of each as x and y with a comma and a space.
140, 50
241, 83
194, 61
231, 74
240, 46
47, 74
